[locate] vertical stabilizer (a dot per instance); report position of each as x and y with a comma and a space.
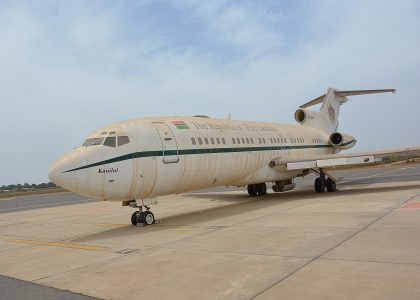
330, 109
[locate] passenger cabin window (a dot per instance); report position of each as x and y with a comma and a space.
212, 140
233, 140
218, 141
193, 141
223, 141
122, 140
207, 141
111, 141
200, 141
93, 142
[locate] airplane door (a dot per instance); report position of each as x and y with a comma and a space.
168, 142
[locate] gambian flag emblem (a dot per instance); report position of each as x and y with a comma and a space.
180, 125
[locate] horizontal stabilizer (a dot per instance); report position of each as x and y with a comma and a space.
315, 101
362, 92
320, 99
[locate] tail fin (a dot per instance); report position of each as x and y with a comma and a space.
327, 118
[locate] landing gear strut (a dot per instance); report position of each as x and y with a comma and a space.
322, 182
143, 215
257, 189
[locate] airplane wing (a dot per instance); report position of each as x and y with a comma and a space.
332, 160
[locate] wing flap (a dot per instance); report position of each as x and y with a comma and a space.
330, 162
333, 160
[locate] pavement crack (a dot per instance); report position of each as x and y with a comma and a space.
334, 247
372, 261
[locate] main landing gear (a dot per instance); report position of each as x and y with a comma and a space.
142, 216
322, 183
257, 189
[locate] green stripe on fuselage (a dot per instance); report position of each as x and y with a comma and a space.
195, 151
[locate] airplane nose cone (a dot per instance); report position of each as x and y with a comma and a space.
53, 173
58, 171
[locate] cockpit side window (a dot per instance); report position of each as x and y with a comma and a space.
122, 140
111, 141
93, 142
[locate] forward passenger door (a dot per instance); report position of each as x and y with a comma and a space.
168, 142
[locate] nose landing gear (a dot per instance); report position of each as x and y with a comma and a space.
143, 215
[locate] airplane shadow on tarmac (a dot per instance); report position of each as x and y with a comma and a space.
243, 204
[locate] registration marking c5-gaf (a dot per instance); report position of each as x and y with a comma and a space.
59, 244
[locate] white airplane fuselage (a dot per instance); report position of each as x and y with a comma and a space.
172, 155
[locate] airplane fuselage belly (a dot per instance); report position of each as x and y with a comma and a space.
211, 171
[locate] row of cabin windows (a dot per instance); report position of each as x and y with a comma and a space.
207, 141
317, 140
244, 140
218, 141
297, 140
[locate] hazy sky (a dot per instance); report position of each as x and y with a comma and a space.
69, 67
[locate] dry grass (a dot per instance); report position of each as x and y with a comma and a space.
35, 192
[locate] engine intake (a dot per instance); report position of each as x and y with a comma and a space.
341, 140
300, 116
336, 139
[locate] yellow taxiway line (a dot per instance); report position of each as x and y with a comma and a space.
59, 244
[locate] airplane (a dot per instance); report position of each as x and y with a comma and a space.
137, 160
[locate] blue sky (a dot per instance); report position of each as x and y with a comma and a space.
69, 67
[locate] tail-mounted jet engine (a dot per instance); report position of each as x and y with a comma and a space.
341, 140
304, 116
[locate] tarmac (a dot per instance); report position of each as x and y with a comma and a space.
362, 242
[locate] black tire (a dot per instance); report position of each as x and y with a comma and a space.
149, 218
252, 190
142, 217
331, 185
135, 218
262, 189
319, 185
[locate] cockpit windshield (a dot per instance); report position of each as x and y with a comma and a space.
122, 140
93, 142
110, 141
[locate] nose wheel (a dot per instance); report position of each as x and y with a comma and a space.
143, 216
135, 218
